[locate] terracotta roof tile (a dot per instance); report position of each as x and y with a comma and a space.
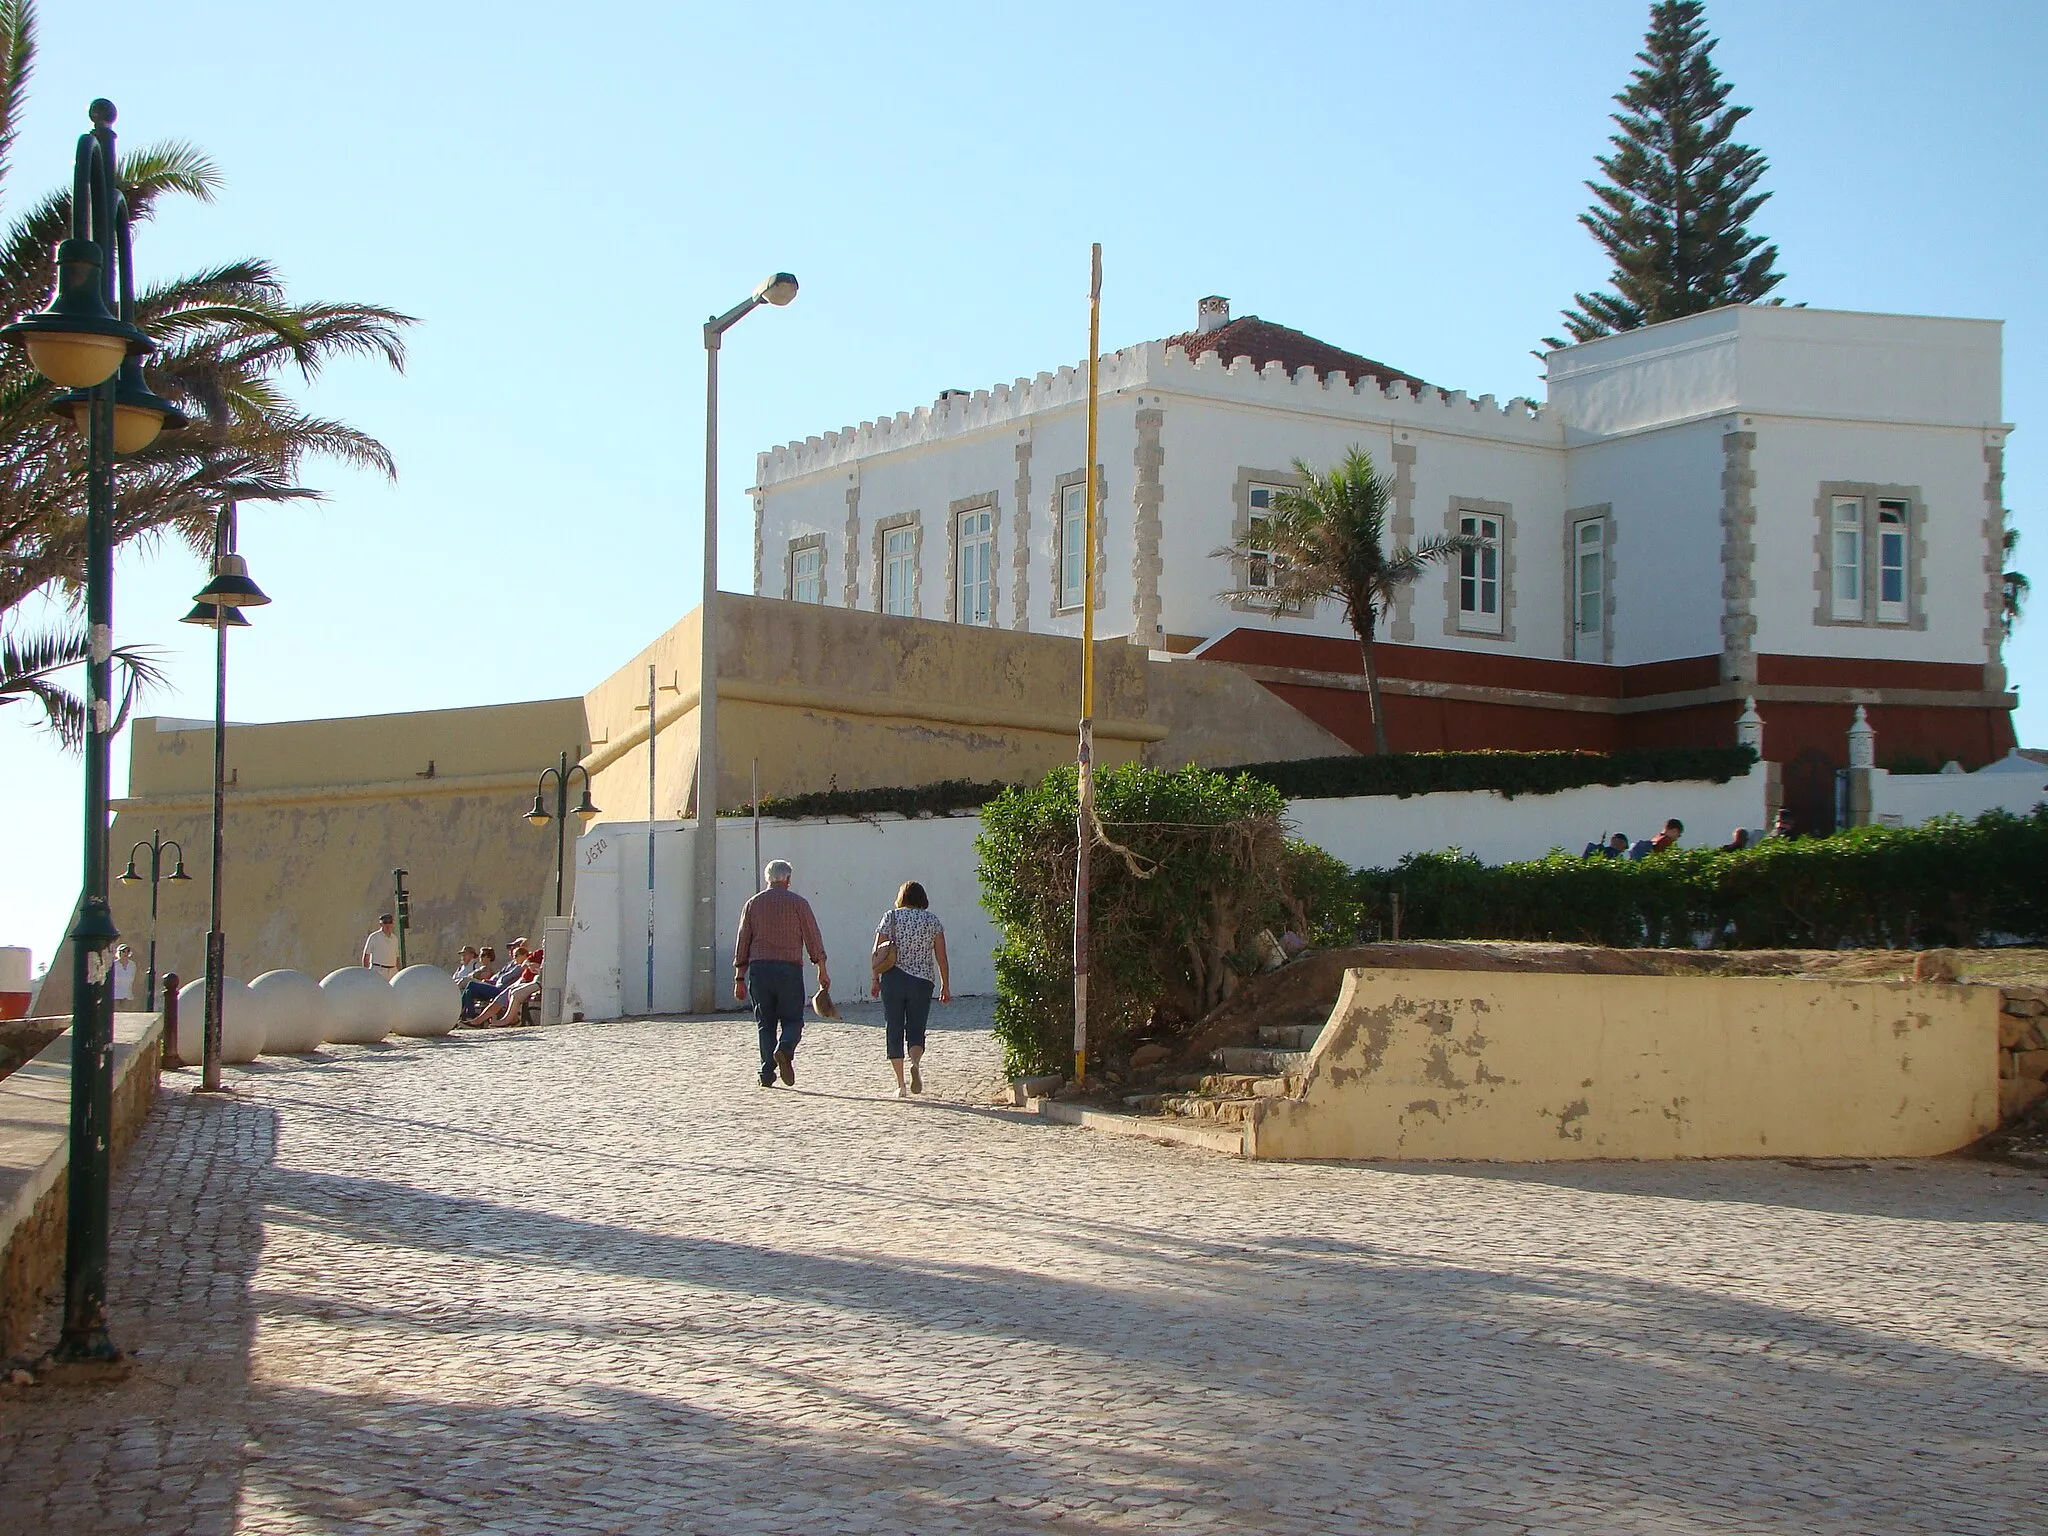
1264, 342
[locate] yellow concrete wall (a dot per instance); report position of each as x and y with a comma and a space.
1527, 1067
1216, 716
320, 813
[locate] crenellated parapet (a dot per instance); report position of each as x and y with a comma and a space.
1169, 369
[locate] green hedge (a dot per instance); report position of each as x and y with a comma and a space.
1329, 778
940, 799
1949, 882
1511, 773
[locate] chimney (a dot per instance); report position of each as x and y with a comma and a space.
1211, 314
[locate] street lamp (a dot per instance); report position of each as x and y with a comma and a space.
156, 846
81, 342
777, 290
540, 815
218, 605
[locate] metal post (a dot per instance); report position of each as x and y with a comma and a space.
757, 826
401, 908
85, 1334
156, 862
216, 939
1084, 812
652, 726
561, 828
704, 859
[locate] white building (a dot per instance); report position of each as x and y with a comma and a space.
1797, 506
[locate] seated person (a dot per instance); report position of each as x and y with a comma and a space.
509, 1002
482, 984
1608, 848
1782, 825
1737, 842
465, 965
1674, 829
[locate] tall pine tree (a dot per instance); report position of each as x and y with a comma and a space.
1674, 211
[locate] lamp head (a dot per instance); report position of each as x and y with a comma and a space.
139, 412
179, 872
539, 814
128, 875
231, 586
584, 808
78, 341
777, 290
215, 618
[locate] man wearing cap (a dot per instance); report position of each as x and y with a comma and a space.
380, 949
777, 929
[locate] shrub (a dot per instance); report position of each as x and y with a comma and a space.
1949, 882
1203, 864
1510, 773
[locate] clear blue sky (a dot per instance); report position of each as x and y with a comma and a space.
562, 195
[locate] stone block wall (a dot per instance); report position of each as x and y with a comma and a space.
2022, 1049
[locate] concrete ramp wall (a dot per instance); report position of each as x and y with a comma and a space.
1506, 1066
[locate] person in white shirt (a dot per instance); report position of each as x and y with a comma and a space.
380, 949
467, 969
124, 977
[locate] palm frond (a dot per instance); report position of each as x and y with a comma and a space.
29, 665
17, 63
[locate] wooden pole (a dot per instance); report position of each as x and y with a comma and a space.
1084, 817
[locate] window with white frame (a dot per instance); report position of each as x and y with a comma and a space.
1892, 518
899, 572
1073, 551
1589, 589
807, 573
974, 559
1845, 558
1262, 570
1479, 594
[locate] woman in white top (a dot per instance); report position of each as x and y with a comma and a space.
906, 987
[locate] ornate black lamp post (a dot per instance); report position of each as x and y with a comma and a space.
82, 343
219, 605
156, 845
540, 816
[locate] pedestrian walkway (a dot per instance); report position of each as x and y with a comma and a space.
593, 1279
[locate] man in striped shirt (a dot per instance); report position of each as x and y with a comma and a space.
777, 929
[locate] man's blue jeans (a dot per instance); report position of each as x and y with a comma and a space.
777, 990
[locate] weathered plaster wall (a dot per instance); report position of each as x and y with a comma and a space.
319, 814
1511, 1067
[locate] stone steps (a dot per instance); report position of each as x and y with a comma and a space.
1259, 1061
1290, 1037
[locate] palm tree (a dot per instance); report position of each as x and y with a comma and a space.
1328, 538
2015, 586
29, 667
226, 337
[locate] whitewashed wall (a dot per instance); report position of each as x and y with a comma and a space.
850, 869
1907, 799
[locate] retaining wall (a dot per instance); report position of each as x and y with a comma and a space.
35, 1126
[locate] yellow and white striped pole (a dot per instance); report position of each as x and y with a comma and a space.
1084, 819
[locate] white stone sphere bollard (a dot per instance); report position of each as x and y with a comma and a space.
359, 1006
428, 1001
293, 1010
241, 1027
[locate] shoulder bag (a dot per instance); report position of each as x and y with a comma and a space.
884, 956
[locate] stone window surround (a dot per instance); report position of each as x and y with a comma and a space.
1916, 554
974, 503
1148, 497
1020, 538
807, 541
884, 526
1474, 506
851, 586
1059, 496
1241, 530
1604, 512
1402, 628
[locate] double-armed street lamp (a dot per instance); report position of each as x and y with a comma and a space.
156, 843
218, 605
777, 290
540, 815
87, 343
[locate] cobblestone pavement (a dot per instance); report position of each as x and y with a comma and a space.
594, 1279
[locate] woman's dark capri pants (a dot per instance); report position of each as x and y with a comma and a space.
906, 1004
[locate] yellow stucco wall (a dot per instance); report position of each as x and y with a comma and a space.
1515, 1067
319, 814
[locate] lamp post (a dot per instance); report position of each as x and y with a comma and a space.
777, 290
83, 344
540, 816
218, 605
156, 846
